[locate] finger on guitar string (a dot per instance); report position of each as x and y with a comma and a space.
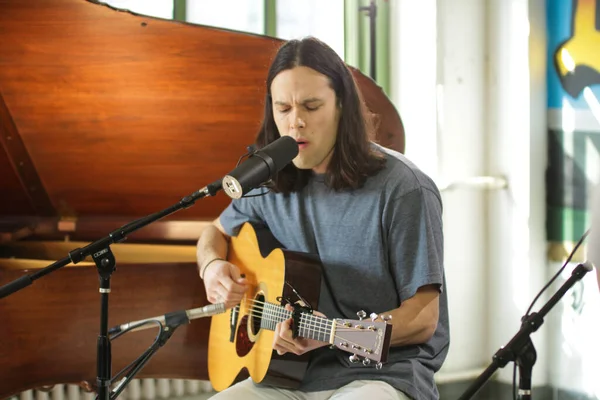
230, 281
222, 295
233, 286
282, 340
223, 284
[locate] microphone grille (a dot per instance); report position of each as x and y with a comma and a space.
282, 151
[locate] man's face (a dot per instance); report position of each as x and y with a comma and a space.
305, 108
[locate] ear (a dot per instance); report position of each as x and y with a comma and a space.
338, 111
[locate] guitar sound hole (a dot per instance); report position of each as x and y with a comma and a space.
257, 312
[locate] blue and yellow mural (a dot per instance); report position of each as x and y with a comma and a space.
573, 119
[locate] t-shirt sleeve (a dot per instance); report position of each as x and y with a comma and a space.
238, 212
416, 248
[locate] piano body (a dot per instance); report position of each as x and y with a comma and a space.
105, 117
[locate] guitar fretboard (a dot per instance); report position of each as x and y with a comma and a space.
311, 326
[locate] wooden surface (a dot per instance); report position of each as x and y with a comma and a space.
123, 115
105, 117
115, 115
49, 329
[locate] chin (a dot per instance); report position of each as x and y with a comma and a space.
302, 165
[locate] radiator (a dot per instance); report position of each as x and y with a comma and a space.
138, 389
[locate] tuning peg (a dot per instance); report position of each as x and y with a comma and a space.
354, 358
366, 362
386, 318
379, 365
361, 314
374, 316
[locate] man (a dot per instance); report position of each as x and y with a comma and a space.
373, 218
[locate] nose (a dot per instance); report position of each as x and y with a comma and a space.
297, 121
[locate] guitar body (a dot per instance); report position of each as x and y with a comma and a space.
237, 345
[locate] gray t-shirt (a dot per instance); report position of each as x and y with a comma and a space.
377, 245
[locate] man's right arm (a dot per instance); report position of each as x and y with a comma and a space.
222, 280
213, 243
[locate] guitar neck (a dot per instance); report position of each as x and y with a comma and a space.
310, 326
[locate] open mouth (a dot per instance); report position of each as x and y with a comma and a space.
302, 143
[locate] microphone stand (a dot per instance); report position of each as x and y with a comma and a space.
371, 10
520, 349
167, 325
162, 338
105, 262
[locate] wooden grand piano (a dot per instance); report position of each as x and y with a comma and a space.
105, 117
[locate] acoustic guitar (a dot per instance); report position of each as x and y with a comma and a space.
241, 340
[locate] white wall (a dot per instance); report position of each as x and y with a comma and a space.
486, 122
438, 88
516, 149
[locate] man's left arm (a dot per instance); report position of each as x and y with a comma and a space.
415, 321
414, 222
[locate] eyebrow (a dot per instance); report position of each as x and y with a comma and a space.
309, 100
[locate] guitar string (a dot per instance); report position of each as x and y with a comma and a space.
277, 311
327, 334
287, 312
322, 321
323, 324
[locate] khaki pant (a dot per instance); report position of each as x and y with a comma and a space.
357, 390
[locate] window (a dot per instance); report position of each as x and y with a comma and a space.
155, 8
245, 16
321, 19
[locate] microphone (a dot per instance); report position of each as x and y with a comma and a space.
171, 319
260, 167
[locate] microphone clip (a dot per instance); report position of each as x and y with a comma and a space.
250, 150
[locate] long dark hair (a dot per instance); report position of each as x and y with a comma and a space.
353, 159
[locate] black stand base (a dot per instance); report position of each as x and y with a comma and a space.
520, 349
162, 338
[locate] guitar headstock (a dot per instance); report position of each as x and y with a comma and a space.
367, 339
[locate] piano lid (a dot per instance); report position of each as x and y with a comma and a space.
109, 116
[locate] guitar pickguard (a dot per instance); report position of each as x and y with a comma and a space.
243, 344
249, 327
